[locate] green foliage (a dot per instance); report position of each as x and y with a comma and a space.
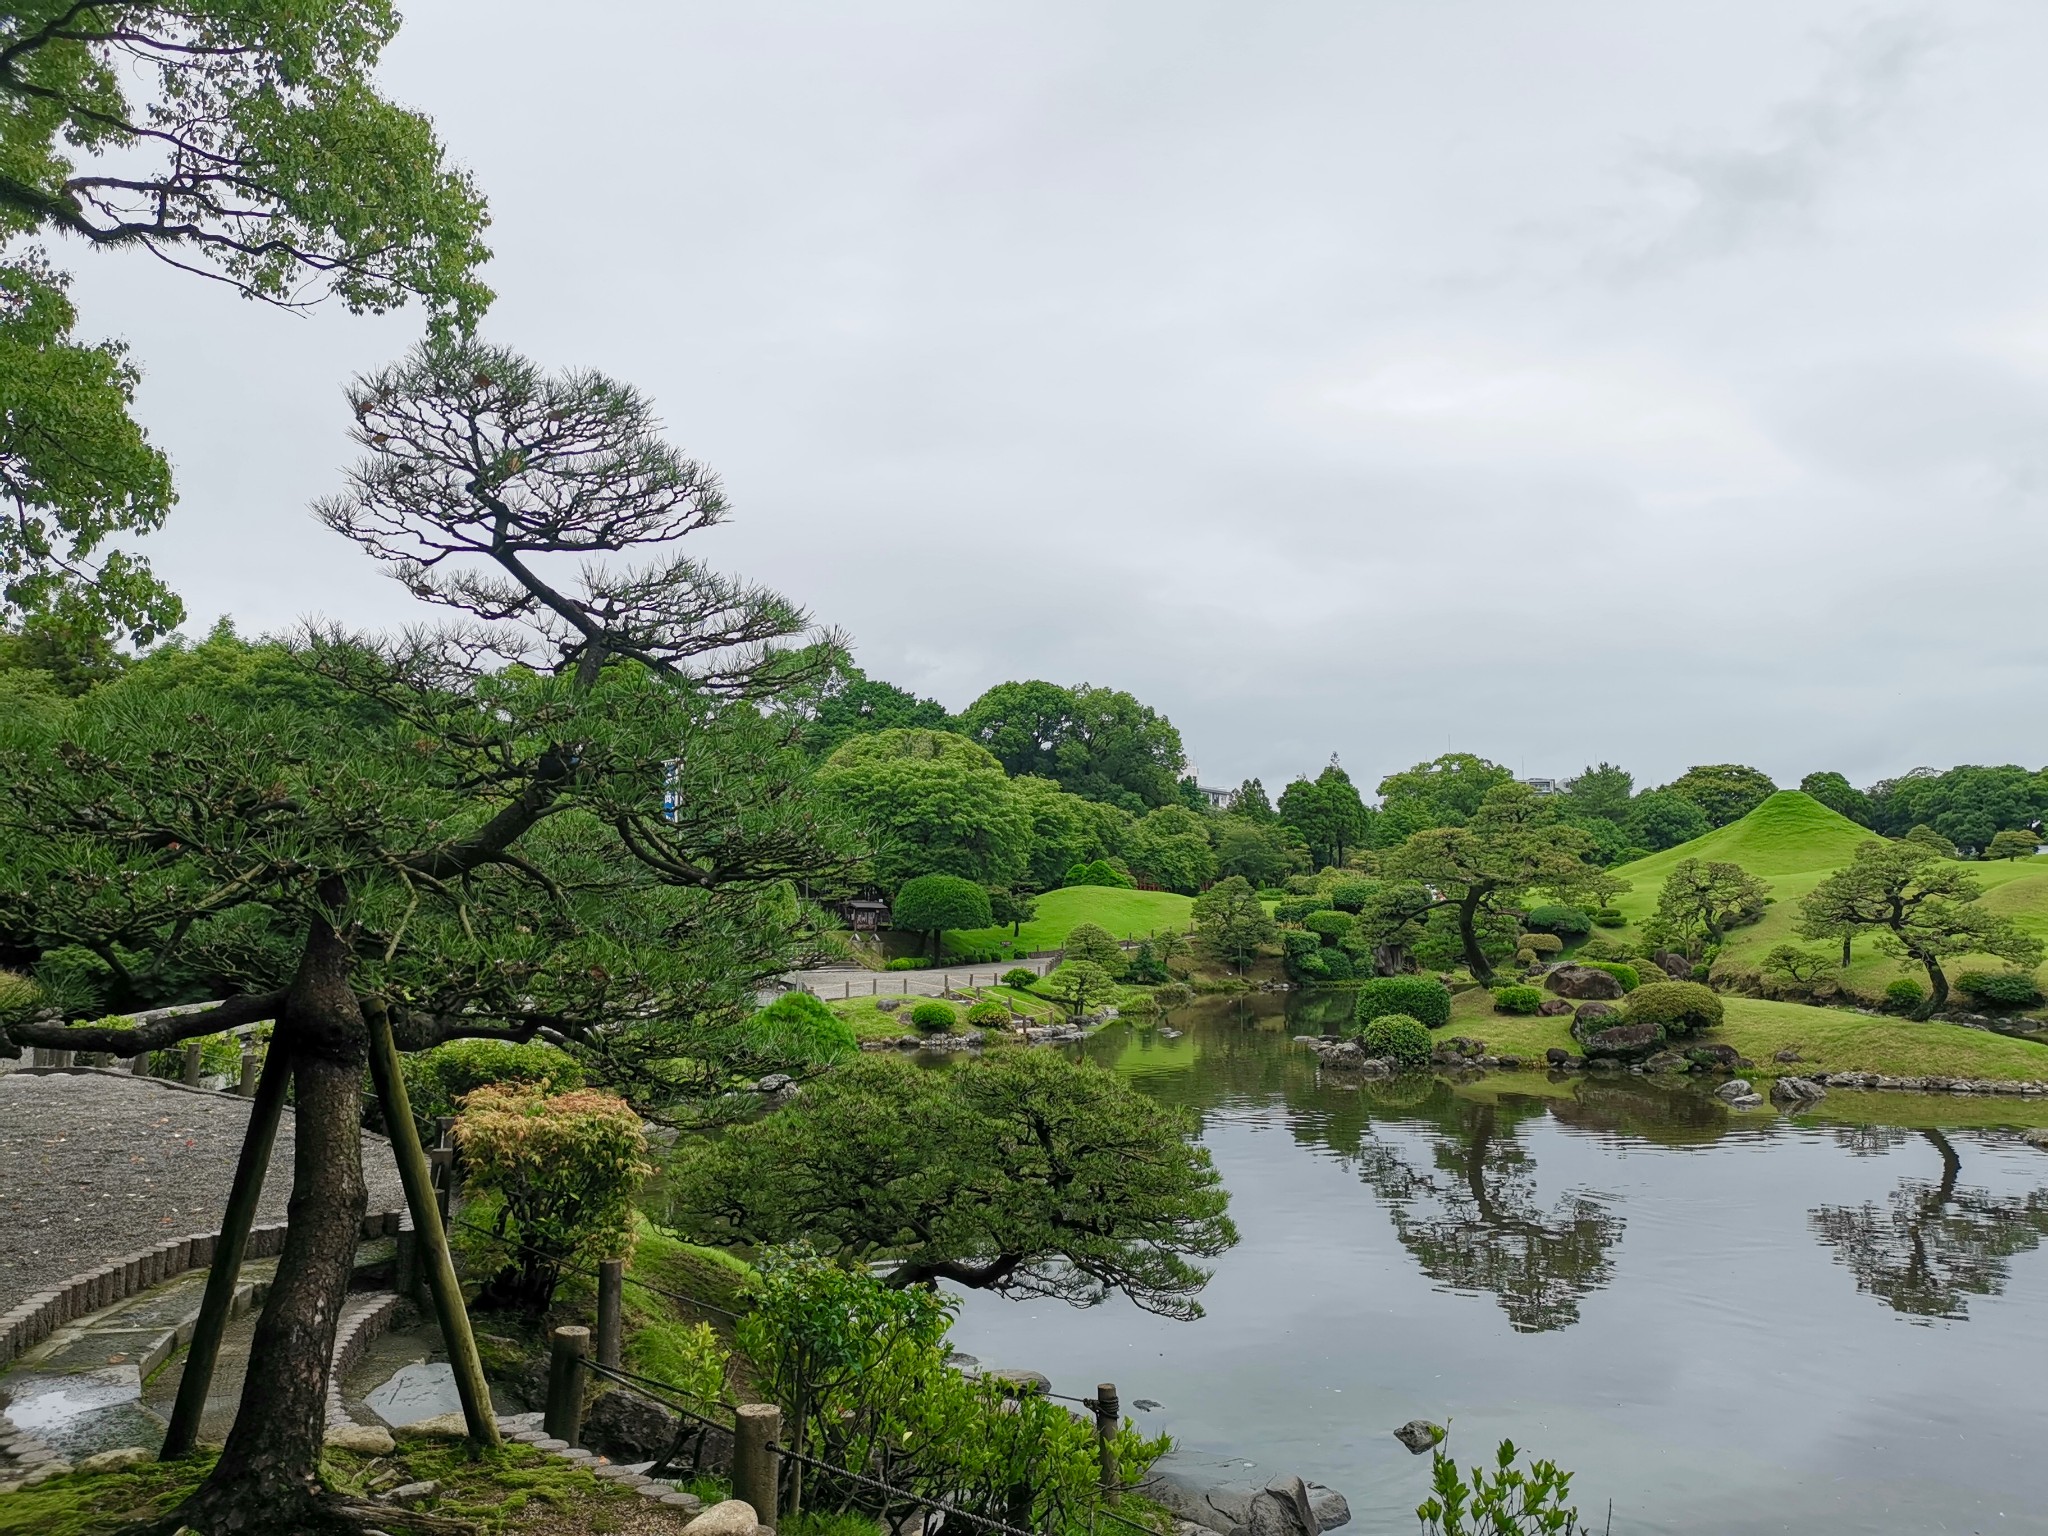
1610, 917
929, 803
1968, 805
1023, 1172
1100, 872
1839, 796
1011, 908
1398, 1036
1333, 928
985, 1015
1292, 909
553, 1176
2001, 989
1143, 967
1702, 900
932, 1018
1096, 945
1171, 995
930, 904
1509, 1502
1445, 792
1629, 977
1419, 997
1555, 918
1682, 1007
1020, 978
1260, 850
798, 1028
1600, 947
849, 703
1664, 819
1524, 1000
437, 1080
1231, 923
1542, 943
1328, 814
687, 1357
1170, 849
1724, 792
1799, 967
1905, 996
2012, 845
1098, 743
860, 1372
1352, 895
907, 963
1081, 984
1935, 842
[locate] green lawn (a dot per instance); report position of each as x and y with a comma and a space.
1126, 914
1794, 842
1829, 1040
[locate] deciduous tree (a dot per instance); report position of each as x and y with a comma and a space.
1100, 743
1838, 795
1724, 792
1169, 848
929, 803
1702, 900
931, 904
2013, 845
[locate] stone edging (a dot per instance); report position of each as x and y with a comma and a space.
35, 1319
361, 1325
522, 1430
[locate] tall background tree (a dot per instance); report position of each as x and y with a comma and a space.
1968, 805
241, 140
1444, 792
1328, 813
929, 803
850, 703
1099, 743
1724, 792
596, 841
1838, 795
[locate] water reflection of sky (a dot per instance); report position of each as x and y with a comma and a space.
1731, 1357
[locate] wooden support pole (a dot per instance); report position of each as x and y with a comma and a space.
222, 1275
611, 1312
195, 1060
139, 1065
756, 1428
429, 1233
251, 1065
567, 1350
1106, 1419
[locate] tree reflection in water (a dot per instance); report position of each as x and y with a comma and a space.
1474, 1222
1938, 1244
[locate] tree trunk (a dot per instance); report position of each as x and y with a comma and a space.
1937, 995
267, 1477
1468, 934
1845, 951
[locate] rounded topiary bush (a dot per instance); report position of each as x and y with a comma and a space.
932, 1018
1904, 995
905, 963
1609, 917
1629, 977
1019, 977
1682, 1007
1559, 919
1330, 927
1517, 999
1528, 957
988, 1016
1419, 997
1398, 1037
1352, 895
1338, 965
1541, 943
1293, 909
2001, 989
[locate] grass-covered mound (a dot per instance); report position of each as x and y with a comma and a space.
1790, 833
1126, 914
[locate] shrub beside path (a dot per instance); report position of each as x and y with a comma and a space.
94, 1165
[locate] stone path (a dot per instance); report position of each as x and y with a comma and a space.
834, 982
94, 1165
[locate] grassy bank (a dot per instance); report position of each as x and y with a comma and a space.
1126, 914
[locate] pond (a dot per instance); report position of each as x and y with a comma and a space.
1721, 1322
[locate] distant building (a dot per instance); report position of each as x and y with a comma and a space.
1546, 786
1219, 798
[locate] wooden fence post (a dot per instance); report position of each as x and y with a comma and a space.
756, 1428
194, 1061
1106, 1416
251, 1064
611, 1312
567, 1349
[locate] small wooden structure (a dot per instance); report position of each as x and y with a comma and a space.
865, 915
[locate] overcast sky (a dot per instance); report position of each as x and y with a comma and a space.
1565, 381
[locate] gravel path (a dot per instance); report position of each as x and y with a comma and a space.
97, 1164
834, 982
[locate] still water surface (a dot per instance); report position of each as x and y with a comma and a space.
1722, 1323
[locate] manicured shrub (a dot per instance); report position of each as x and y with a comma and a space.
2001, 989
1542, 943
1331, 927
1019, 978
1311, 967
1682, 1007
552, 1178
1528, 957
1629, 977
797, 1027
1600, 947
932, 1018
1270, 893
906, 963
1080, 984
1517, 999
1558, 919
1419, 997
1609, 917
1095, 944
436, 1081
1144, 968
1337, 965
1398, 1036
1904, 995
1100, 872
931, 904
987, 1015
1292, 909
1352, 895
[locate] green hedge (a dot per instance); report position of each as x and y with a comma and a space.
1682, 1007
1403, 1038
1517, 999
1418, 997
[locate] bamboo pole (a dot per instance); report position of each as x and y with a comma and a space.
430, 1235
226, 1269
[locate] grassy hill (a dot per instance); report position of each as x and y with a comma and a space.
1126, 914
1794, 842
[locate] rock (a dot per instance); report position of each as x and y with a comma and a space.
447, 1426
627, 1427
1281, 1509
733, 1517
1557, 1056
1582, 981
415, 1392
1205, 1498
888, 1004
1020, 1383
1735, 1088
2037, 1137
1789, 1054
774, 1082
1797, 1090
1666, 1061
1747, 1101
116, 1459
1674, 965
363, 1439
1620, 1043
1712, 1057
1553, 1008
1592, 1011
1420, 1435
412, 1494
